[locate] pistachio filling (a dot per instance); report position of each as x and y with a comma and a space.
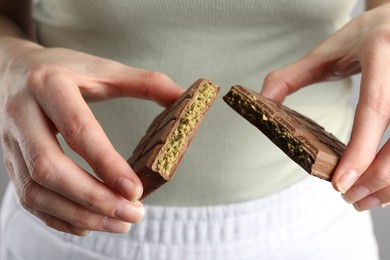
187, 124
270, 128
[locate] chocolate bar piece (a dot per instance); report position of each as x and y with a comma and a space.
158, 154
302, 139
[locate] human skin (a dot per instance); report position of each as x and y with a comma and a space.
44, 92
37, 84
362, 45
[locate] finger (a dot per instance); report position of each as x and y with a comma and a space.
52, 169
371, 119
62, 102
34, 196
102, 78
373, 181
378, 198
119, 81
49, 220
49, 206
369, 202
57, 223
329, 61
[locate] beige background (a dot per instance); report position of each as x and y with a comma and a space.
381, 216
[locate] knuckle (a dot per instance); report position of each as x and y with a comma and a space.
96, 199
27, 194
104, 164
382, 176
41, 167
7, 140
153, 79
275, 78
157, 76
12, 108
381, 35
37, 75
379, 106
73, 129
40, 75
80, 218
271, 77
57, 224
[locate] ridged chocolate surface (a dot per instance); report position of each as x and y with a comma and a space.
146, 153
302, 139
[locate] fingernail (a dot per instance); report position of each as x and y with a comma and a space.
355, 193
347, 180
129, 189
84, 233
130, 212
367, 203
78, 231
115, 226
384, 205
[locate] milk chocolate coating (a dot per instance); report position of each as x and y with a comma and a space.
146, 154
302, 139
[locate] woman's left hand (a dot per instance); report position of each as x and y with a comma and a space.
363, 174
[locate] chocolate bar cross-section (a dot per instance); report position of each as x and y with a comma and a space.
158, 154
302, 139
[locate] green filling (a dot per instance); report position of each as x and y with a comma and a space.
269, 127
187, 124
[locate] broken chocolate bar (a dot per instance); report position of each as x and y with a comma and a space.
302, 139
158, 154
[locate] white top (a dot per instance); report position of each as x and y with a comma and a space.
228, 41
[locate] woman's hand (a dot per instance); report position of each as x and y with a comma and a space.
363, 175
44, 92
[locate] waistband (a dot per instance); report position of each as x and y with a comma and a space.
292, 216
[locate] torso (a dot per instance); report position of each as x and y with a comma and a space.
230, 42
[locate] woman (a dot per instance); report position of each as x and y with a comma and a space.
250, 201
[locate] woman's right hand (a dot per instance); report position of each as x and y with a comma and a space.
43, 93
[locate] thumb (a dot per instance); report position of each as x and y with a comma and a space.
309, 69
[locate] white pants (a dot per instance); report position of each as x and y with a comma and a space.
306, 221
